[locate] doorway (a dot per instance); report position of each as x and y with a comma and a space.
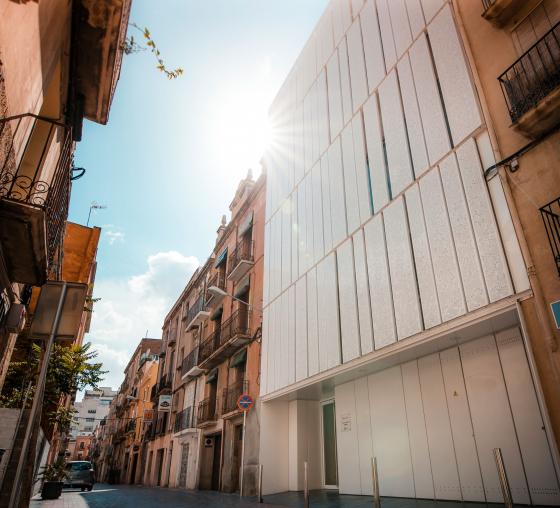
159, 465
133, 469
236, 462
216, 462
328, 431
184, 465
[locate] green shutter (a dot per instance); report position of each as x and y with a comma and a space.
212, 376
238, 358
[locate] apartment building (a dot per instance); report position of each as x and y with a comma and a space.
124, 440
399, 315
93, 407
212, 357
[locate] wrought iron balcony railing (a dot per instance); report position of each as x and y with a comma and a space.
217, 280
237, 325
488, 3
189, 361
207, 411
184, 420
198, 306
231, 395
243, 252
533, 76
130, 426
38, 175
551, 218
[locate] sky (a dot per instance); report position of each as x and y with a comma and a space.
167, 164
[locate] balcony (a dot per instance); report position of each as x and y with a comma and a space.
219, 281
164, 384
34, 194
130, 426
551, 218
231, 396
234, 333
507, 12
198, 313
184, 420
189, 367
531, 86
240, 261
207, 413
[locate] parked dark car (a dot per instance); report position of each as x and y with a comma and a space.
80, 474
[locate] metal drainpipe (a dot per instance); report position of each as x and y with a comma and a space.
542, 311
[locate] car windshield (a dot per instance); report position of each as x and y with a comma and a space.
78, 466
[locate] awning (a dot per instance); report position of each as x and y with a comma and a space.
212, 376
238, 358
217, 313
221, 258
246, 224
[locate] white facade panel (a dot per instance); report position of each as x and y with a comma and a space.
373, 51
412, 115
326, 201
491, 417
342, 18
457, 88
431, 111
463, 236
422, 258
322, 112
294, 234
461, 426
362, 293
350, 183
287, 361
347, 442
494, 265
364, 432
394, 129
415, 16
406, 303
386, 33
419, 453
291, 336
358, 80
338, 205
327, 304
312, 323
444, 466
430, 8
302, 227
390, 433
334, 95
376, 156
309, 244
299, 155
286, 244
266, 264
345, 81
265, 351
301, 362
444, 260
401, 27
318, 243
349, 329
533, 442
307, 131
362, 169
383, 319
356, 6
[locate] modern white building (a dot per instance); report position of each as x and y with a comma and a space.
91, 410
392, 327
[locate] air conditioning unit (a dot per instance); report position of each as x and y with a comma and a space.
15, 321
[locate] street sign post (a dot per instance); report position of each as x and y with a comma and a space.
244, 403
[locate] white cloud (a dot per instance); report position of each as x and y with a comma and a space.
129, 307
114, 236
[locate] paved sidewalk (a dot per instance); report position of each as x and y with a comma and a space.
127, 496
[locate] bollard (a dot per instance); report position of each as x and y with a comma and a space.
260, 483
504, 483
375, 483
305, 486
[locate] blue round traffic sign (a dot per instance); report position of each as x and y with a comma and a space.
245, 402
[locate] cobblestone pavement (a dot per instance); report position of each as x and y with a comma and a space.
127, 496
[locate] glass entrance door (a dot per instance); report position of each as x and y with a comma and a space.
330, 466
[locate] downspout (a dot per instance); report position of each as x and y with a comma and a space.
539, 301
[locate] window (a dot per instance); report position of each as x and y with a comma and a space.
82, 444
92, 411
104, 402
90, 419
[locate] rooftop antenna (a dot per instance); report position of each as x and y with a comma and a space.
94, 206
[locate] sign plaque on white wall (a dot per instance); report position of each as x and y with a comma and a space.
346, 422
164, 403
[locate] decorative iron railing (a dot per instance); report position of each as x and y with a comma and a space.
184, 420
488, 3
189, 361
231, 395
207, 410
551, 218
243, 252
237, 324
198, 306
38, 176
533, 76
217, 280
130, 426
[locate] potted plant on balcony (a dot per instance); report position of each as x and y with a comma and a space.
53, 477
